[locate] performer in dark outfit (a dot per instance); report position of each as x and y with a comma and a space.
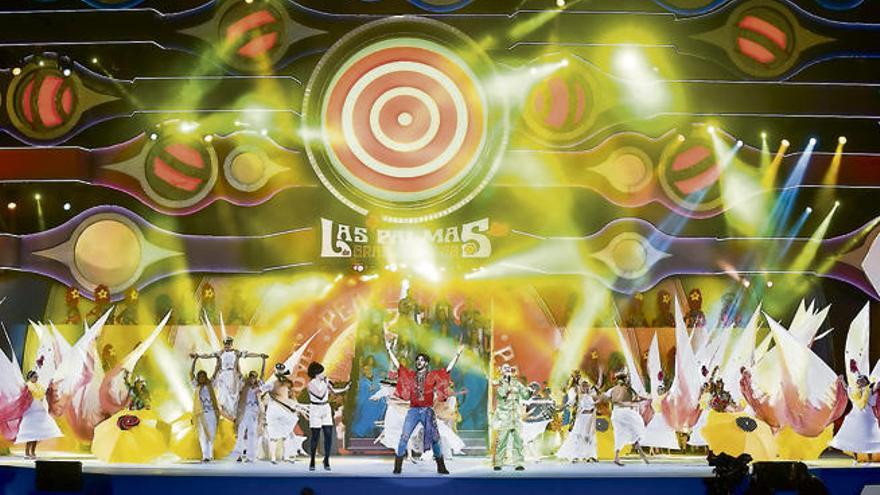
420, 387
320, 415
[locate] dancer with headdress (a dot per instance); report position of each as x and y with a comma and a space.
859, 433
320, 414
282, 413
36, 425
580, 444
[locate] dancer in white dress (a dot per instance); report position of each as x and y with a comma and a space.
859, 432
539, 413
658, 433
36, 424
282, 414
227, 379
580, 444
629, 427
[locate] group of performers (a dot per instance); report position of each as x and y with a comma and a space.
265, 413
421, 417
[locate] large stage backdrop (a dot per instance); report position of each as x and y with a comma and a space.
520, 176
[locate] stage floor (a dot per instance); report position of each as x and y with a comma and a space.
663, 466
371, 475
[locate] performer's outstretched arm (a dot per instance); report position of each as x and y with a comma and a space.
455, 359
394, 362
192, 369
263, 367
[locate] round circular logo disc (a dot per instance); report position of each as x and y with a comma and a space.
398, 120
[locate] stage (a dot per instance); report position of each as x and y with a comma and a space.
371, 475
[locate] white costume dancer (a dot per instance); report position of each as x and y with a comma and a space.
36, 424
282, 414
581, 440
859, 432
205, 411
227, 379
629, 427
249, 419
320, 414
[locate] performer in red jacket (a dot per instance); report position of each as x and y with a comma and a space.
420, 387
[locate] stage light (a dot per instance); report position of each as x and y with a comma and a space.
94, 60
209, 138
812, 142
763, 135
66, 72
746, 283
629, 62
154, 136
66, 206
16, 71
188, 126
560, 3
711, 129
739, 143
38, 196
769, 284
11, 206
264, 132
811, 246
785, 143
831, 174
681, 138
564, 62
533, 71
809, 210
41, 63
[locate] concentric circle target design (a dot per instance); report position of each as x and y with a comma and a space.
689, 173
43, 102
180, 172
252, 34
399, 122
764, 40
560, 109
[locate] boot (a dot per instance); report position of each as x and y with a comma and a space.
398, 464
441, 466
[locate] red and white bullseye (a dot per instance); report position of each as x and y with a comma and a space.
404, 119
424, 127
